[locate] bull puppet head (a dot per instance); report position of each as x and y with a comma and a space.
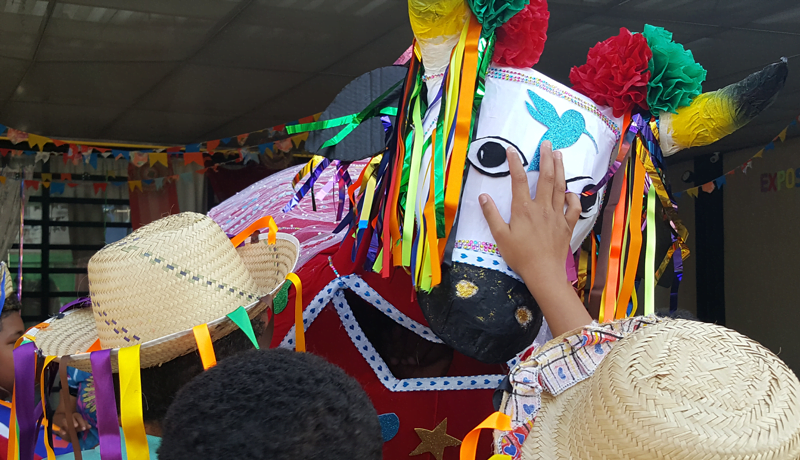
474, 302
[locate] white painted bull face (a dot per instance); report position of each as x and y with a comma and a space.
523, 108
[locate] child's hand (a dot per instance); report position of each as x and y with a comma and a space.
535, 243
60, 421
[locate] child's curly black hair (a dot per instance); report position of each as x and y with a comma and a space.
272, 404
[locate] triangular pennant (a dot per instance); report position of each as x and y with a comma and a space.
279, 128
36, 140
148, 181
158, 158
692, 192
118, 183
100, 186
44, 157
317, 116
16, 136
226, 140
284, 145
174, 150
2, 129
100, 150
5, 152
46, 179
308, 119
140, 159
708, 187
759, 154
192, 148
747, 166
29, 153
731, 172
264, 147
193, 157
241, 138
212, 145
678, 194
299, 138
71, 184
57, 188
66, 176
782, 135
34, 184
241, 155
720, 181
186, 176
770, 146
3, 180
56, 142
250, 157
134, 184
201, 171
159, 183
92, 160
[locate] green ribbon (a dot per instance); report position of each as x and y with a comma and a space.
241, 319
650, 254
350, 122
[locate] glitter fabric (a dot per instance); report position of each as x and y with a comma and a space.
510, 75
466, 289
314, 229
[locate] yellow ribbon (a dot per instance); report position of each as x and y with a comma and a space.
299, 328
130, 402
650, 254
48, 433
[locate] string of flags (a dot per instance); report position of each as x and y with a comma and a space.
265, 144
717, 183
58, 183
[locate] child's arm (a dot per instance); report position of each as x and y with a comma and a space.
535, 243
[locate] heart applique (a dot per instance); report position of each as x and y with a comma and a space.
313, 310
463, 256
510, 450
598, 349
366, 294
528, 408
358, 337
352, 328
561, 374
480, 259
330, 290
520, 437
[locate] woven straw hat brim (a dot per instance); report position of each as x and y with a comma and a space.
181, 302
75, 332
675, 390
9, 280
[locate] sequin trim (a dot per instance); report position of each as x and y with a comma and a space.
519, 77
478, 246
427, 78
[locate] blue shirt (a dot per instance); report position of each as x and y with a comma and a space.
153, 443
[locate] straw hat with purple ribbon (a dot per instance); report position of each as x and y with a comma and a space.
155, 285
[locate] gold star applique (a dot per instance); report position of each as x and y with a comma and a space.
434, 441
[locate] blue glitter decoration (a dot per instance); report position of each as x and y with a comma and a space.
562, 131
390, 425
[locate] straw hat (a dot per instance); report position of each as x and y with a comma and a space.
7, 280
153, 286
677, 390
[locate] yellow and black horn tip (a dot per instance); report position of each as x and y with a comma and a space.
758, 91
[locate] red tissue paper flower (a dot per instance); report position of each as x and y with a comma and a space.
520, 41
615, 73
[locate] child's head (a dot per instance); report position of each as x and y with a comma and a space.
272, 404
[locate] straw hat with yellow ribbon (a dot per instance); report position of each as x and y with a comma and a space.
161, 285
648, 388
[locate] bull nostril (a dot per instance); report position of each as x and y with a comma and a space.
524, 316
466, 289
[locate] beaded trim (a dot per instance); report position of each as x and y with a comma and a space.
510, 75
330, 264
478, 246
426, 78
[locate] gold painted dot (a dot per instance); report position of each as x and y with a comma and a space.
524, 316
466, 289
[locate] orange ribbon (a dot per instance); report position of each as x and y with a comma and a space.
299, 328
616, 252
204, 346
266, 221
496, 421
458, 157
635, 246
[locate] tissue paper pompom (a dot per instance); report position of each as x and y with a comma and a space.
520, 41
494, 13
676, 79
616, 73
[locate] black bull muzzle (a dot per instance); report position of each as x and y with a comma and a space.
482, 313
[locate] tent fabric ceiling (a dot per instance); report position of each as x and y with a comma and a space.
186, 71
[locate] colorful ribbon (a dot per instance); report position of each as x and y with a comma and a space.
266, 221
48, 429
242, 319
107, 421
131, 416
299, 327
650, 254
24, 402
496, 421
204, 346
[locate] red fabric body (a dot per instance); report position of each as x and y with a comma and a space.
463, 409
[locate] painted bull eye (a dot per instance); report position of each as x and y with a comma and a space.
488, 155
589, 202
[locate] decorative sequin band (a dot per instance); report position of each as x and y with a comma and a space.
426, 78
335, 271
478, 246
510, 75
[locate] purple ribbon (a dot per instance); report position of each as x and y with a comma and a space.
107, 420
83, 302
307, 186
24, 398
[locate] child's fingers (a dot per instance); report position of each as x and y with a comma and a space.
492, 215
547, 174
560, 186
573, 210
520, 189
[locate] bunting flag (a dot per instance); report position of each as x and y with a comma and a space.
718, 182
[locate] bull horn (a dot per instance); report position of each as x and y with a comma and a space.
712, 116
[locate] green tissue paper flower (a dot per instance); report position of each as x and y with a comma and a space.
675, 78
281, 298
494, 13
